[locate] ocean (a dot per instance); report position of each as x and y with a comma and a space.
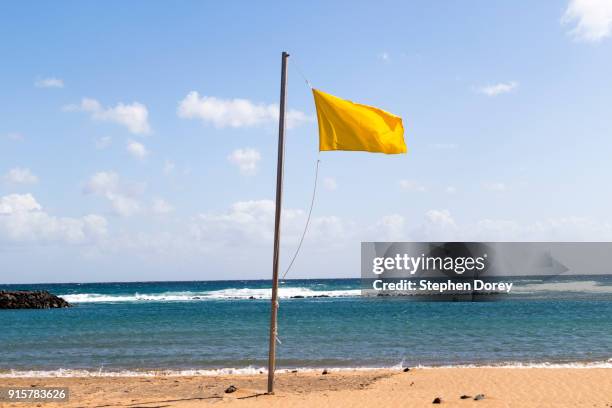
222, 326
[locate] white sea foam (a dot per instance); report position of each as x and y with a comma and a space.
231, 293
520, 364
262, 370
283, 293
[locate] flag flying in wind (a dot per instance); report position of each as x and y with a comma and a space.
345, 125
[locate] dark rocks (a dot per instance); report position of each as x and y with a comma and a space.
30, 299
251, 297
325, 372
437, 400
314, 296
465, 396
231, 389
479, 397
406, 369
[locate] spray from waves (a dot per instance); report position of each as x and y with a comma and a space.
250, 370
224, 294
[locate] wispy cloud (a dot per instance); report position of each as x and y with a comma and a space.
137, 149
498, 89
593, 19
251, 222
330, 184
49, 83
235, 113
19, 175
161, 206
390, 227
169, 167
108, 185
134, 116
246, 159
103, 142
410, 185
17, 137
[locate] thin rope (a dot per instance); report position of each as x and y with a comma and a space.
314, 194
297, 67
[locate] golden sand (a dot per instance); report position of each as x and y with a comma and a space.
501, 387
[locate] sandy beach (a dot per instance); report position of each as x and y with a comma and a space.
501, 387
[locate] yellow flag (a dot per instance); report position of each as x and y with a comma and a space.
345, 125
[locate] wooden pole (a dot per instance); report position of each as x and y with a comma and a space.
277, 224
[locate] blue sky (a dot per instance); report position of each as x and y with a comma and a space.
138, 139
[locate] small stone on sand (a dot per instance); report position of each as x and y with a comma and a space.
230, 389
437, 400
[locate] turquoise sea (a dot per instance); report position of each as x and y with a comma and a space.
212, 325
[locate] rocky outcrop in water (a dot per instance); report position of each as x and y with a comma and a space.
30, 299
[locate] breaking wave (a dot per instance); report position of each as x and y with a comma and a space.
250, 370
231, 293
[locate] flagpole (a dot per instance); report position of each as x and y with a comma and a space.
277, 222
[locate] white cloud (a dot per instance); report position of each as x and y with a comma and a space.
134, 116
49, 83
593, 19
245, 220
161, 206
410, 185
498, 89
438, 225
15, 203
22, 219
295, 118
440, 217
390, 228
252, 223
246, 159
234, 113
169, 167
247, 225
108, 185
136, 149
103, 142
443, 227
330, 183
20, 175
495, 186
